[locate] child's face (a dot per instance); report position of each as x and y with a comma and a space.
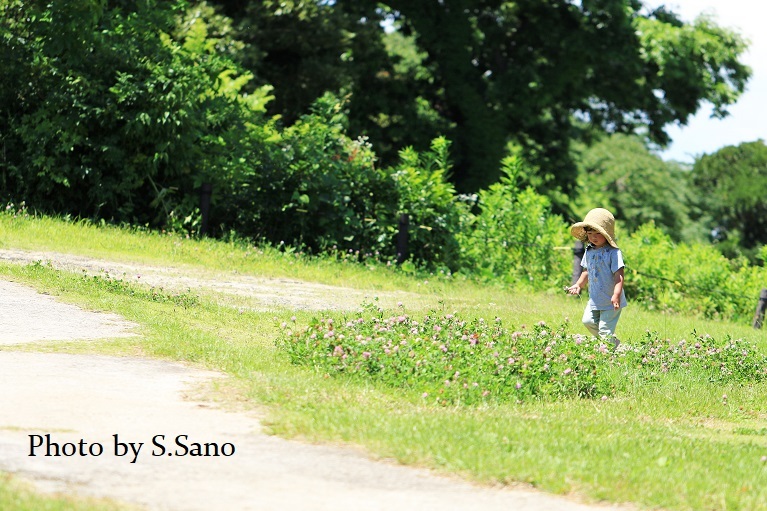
595, 237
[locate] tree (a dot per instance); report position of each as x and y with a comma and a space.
107, 115
731, 185
620, 173
523, 71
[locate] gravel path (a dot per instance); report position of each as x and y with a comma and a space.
131, 426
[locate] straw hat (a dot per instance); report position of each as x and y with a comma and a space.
601, 221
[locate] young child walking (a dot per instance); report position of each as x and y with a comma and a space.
602, 265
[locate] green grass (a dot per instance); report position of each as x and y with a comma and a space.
676, 444
17, 496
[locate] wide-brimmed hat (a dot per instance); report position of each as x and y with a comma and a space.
601, 221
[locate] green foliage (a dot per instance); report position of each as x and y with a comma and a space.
514, 236
521, 70
731, 186
313, 186
316, 188
112, 118
690, 278
619, 172
436, 216
451, 360
303, 49
482, 73
690, 63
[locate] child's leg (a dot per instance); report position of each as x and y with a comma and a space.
591, 320
608, 321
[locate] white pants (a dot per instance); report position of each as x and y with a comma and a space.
601, 323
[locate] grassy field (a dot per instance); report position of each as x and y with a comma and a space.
676, 444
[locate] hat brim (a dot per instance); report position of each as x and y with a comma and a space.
578, 230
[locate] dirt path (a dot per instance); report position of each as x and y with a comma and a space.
97, 406
258, 293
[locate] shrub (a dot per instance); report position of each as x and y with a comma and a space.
313, 186
515, 237
691, 278
436, 216
113, 118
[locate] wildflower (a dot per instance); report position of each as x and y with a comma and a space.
604, 398
567, 371
518, 386
366, 355
338, 351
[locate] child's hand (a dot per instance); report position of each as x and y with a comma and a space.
616, 300
575, 289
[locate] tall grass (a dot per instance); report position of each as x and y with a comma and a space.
676, 443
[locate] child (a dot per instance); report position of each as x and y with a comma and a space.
603, 271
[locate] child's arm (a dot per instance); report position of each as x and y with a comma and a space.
575, 289
618, 289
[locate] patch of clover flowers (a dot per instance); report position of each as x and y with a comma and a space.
450, 360
715, 361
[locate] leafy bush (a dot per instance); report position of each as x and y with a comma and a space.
692, 278
449, 360
515, 237
436, 216
311, 185
113, 118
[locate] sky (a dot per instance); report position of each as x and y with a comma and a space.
746, 122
